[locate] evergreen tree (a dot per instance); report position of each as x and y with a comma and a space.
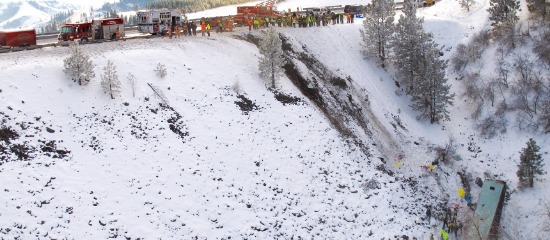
530, 164
504, 13
79, 66
378, 28
432, 93
406, 44
109, 80
272, 61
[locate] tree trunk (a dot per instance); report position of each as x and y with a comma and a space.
272, 74
111, 90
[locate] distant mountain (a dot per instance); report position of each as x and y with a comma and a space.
32, 14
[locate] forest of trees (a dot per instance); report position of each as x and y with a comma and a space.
56, 20
414, 54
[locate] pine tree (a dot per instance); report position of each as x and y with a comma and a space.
79, 66
109, 80
504, 13
432, 93
406, 44
530, 164
378, 28
272, 61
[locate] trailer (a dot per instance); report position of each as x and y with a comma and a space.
110, 28
18, 38
246, 12
150, 21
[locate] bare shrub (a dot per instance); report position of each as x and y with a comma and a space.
542, 47
460, 60
445, 153
545, 213
490, 126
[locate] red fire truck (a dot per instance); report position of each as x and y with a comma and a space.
111, 28
245, 12
18, 38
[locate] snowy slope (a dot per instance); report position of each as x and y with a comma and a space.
278, 171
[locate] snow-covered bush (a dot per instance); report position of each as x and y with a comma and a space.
78, 66
132, 81
161, 70
109, 80
466, 4
237, 87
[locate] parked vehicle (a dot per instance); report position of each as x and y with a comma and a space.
245, 12
150, 21
18, 38
110, 28
354, 9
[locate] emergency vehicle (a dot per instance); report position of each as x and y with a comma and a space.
245, 12
18, 38
150, 21
110, 28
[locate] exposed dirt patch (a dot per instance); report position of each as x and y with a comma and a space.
25, 143
285, 98
246, 105
7, 134
175, 122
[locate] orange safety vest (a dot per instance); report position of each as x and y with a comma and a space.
203, 27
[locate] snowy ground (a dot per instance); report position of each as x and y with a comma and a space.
203, 167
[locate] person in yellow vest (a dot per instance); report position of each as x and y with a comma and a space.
256, 23
208, 28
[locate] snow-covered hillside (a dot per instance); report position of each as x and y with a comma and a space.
33, 14
222, 156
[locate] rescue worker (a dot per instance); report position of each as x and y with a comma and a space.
220, 26
256, 23
194, 25
203, 28
249, 21
117, 33
208, 28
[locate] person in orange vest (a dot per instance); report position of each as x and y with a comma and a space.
117, 33
203, 28
249, 21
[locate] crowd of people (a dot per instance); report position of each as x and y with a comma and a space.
309, 19
449, 218
294, 19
